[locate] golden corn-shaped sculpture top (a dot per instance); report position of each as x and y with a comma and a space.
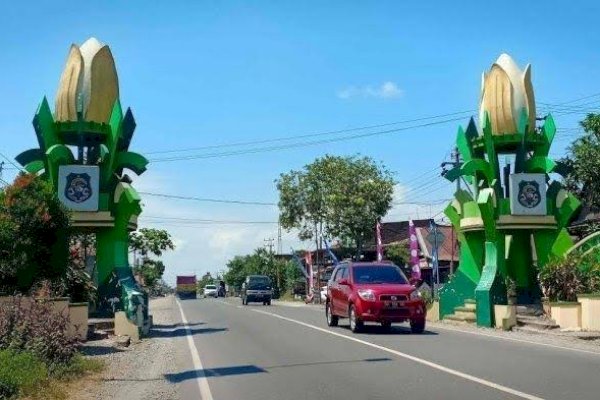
89, 83
505, 91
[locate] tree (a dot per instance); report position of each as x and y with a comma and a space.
206, 279
150, 241
260, 262
34, 233
583, 165
343, 197
398, 253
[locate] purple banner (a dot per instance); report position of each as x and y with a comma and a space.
414, 251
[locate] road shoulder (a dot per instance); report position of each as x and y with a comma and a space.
141, 370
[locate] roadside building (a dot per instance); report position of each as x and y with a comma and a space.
392, 234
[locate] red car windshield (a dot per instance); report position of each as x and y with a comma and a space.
378, 274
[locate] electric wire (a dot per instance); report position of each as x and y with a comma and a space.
304, 136
298, 144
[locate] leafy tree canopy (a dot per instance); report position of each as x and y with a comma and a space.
33, 234
347, 195
398, 253
260, 262
207, 279
150, 241
584, 161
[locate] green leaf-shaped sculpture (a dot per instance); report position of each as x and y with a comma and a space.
88, 117
496, 244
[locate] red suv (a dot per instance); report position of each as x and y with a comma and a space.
373, 292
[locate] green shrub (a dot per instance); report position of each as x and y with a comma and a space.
426, 296
20, 373
36, 328
589, 271
562, 279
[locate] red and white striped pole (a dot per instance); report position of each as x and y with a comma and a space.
379, 242
414, 251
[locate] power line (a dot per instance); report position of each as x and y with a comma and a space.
205, 221
209, 200
299, 144
11, 162
421, 203
304, 136
575, 100
426, 185
415, 178
309, 143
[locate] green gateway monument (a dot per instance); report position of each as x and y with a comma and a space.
514, 218
84, 150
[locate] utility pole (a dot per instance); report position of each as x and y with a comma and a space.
270, 243
279, 249
456, 162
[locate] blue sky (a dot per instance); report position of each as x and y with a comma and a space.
201, 73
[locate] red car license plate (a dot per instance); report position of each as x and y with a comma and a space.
394, 304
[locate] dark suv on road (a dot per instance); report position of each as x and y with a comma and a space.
373, 292
257, 288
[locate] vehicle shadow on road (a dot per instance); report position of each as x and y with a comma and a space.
394, 330
171, 333
177, 325
335, 362
254, 369
213, 373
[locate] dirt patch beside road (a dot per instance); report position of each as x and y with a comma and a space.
136, 372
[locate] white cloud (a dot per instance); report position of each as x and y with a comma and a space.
202, 248
387, 90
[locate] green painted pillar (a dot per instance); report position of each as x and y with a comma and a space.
490, 288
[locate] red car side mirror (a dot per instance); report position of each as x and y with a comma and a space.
344, 281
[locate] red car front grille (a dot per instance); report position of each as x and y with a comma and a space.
388, 297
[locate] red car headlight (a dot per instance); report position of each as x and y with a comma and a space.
366, 294
415, 295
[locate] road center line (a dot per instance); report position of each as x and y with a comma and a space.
517, 340
205, 393
224, 302
430, 364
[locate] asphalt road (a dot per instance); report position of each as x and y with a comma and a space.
282, 352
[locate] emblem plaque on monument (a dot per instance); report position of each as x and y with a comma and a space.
78, 187
528, 194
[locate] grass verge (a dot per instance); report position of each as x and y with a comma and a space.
22, 375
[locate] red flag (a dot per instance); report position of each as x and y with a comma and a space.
379, 242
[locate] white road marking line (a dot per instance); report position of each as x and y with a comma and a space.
288, 304
430, 364
518, 340
205, 393
596, 353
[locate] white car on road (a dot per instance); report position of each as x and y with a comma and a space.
324, 294
210, 291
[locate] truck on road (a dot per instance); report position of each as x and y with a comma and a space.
187, 287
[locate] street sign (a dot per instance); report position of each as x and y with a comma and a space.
436, 238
